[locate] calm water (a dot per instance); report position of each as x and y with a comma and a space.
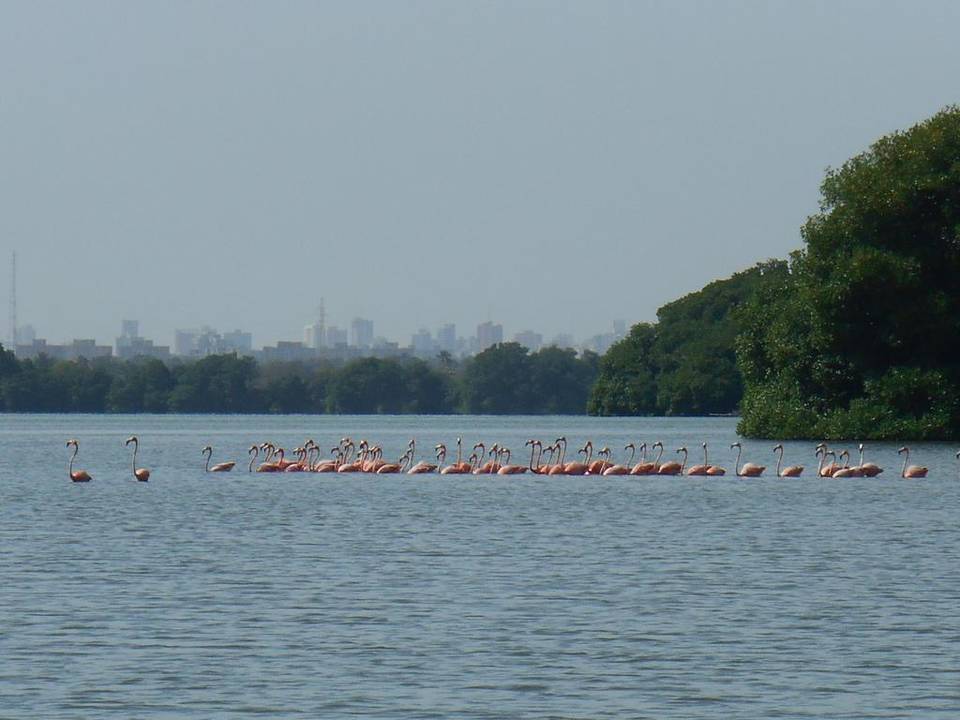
326, 596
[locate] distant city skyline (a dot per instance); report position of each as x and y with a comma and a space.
206, 340
546, 167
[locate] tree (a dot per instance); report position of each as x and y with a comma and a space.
685, 364
863, 338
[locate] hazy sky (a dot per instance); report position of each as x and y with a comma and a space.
547, 165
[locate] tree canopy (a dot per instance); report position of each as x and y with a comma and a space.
685, 363
861, 337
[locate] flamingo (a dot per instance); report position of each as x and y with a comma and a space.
869, 469
76, 475
141, 474
506, 468
672, 467
559, 468
748, 469
219, 467
459, 467
253, 452
300, 464
421, 467
790, 470
269, 449
331, 465
397, 467
846, 471
655, 470
598, 466
463, 466
700, 469
576, 467
625, 468
911, 471
644, 467
543, 468
822, 469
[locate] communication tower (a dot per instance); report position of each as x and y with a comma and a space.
13, 303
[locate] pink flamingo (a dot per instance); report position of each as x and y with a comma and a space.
219, 467
672, 467
575, 467
397, 467
790, 470
869, 469
141, 474
623, 469
560, 467
911, 471
644, 467
748, 469
700, 469
846, 471
76, 475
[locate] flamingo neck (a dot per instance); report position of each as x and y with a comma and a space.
906, 457
208, 453
737, 464
779, 461
70, 468
684, 463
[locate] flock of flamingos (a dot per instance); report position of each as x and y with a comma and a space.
362, 457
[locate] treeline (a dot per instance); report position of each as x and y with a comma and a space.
685, 363
862, 337
504, 379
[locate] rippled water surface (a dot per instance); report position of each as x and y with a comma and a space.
293, 595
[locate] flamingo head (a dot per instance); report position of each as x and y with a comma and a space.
902, 450
779, 446
131, 439
735, 445
72, 442
207, 449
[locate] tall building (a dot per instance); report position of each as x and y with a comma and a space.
488, 334
422, 342
238, 341
529, 339
313, 336
361, 333
130, 328
336, 337
185, 342
447, 338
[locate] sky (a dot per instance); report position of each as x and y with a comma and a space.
552, 166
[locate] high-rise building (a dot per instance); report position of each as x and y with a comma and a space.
336, 337
185, 342
422, 342
447, 338
529, 339
238, 341
488, 334
361, 333
130, 328
313, 336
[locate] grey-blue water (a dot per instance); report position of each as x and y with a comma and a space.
311, 596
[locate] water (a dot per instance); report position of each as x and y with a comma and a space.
310, 596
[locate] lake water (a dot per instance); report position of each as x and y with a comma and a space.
311, 596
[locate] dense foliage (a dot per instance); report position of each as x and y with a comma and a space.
503, 379
861, 338
685, 364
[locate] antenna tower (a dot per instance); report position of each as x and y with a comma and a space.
322, 322
13, 303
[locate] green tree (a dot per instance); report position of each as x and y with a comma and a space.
863, 337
